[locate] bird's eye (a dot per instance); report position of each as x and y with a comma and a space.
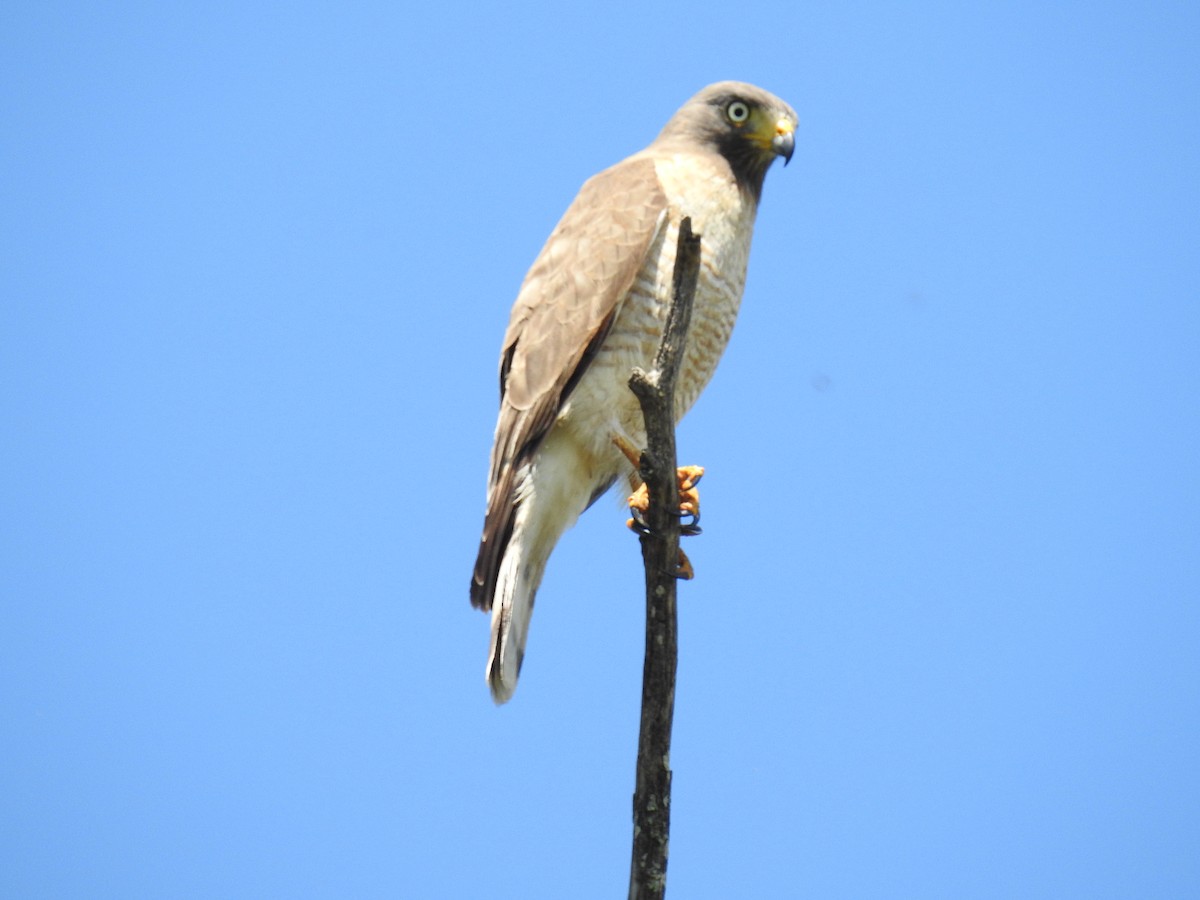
738, 112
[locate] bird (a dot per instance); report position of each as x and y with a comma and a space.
591, 308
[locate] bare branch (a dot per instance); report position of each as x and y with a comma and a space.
660, 553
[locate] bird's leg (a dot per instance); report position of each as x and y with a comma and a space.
639, 500
689, 501
630, 452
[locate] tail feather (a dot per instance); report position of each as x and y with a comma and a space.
512, 608
511, 611
545, 501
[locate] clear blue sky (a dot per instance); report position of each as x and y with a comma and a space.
256, 264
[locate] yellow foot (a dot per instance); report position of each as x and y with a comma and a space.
689, 494
639, 502
689, 501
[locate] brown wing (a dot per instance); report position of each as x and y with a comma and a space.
562, 314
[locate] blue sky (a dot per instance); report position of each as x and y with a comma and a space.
945, 635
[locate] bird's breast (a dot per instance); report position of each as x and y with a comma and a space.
724, 219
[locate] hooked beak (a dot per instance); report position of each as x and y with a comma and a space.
784, 141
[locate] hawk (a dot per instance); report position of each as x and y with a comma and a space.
592, 307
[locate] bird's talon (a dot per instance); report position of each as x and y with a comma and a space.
628, 451
640, 499
689, 501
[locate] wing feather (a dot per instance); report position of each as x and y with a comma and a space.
562, 314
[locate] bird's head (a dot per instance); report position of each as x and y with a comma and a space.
745, 124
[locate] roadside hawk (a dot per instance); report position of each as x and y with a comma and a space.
592, 307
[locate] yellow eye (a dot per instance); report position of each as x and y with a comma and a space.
738, 112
